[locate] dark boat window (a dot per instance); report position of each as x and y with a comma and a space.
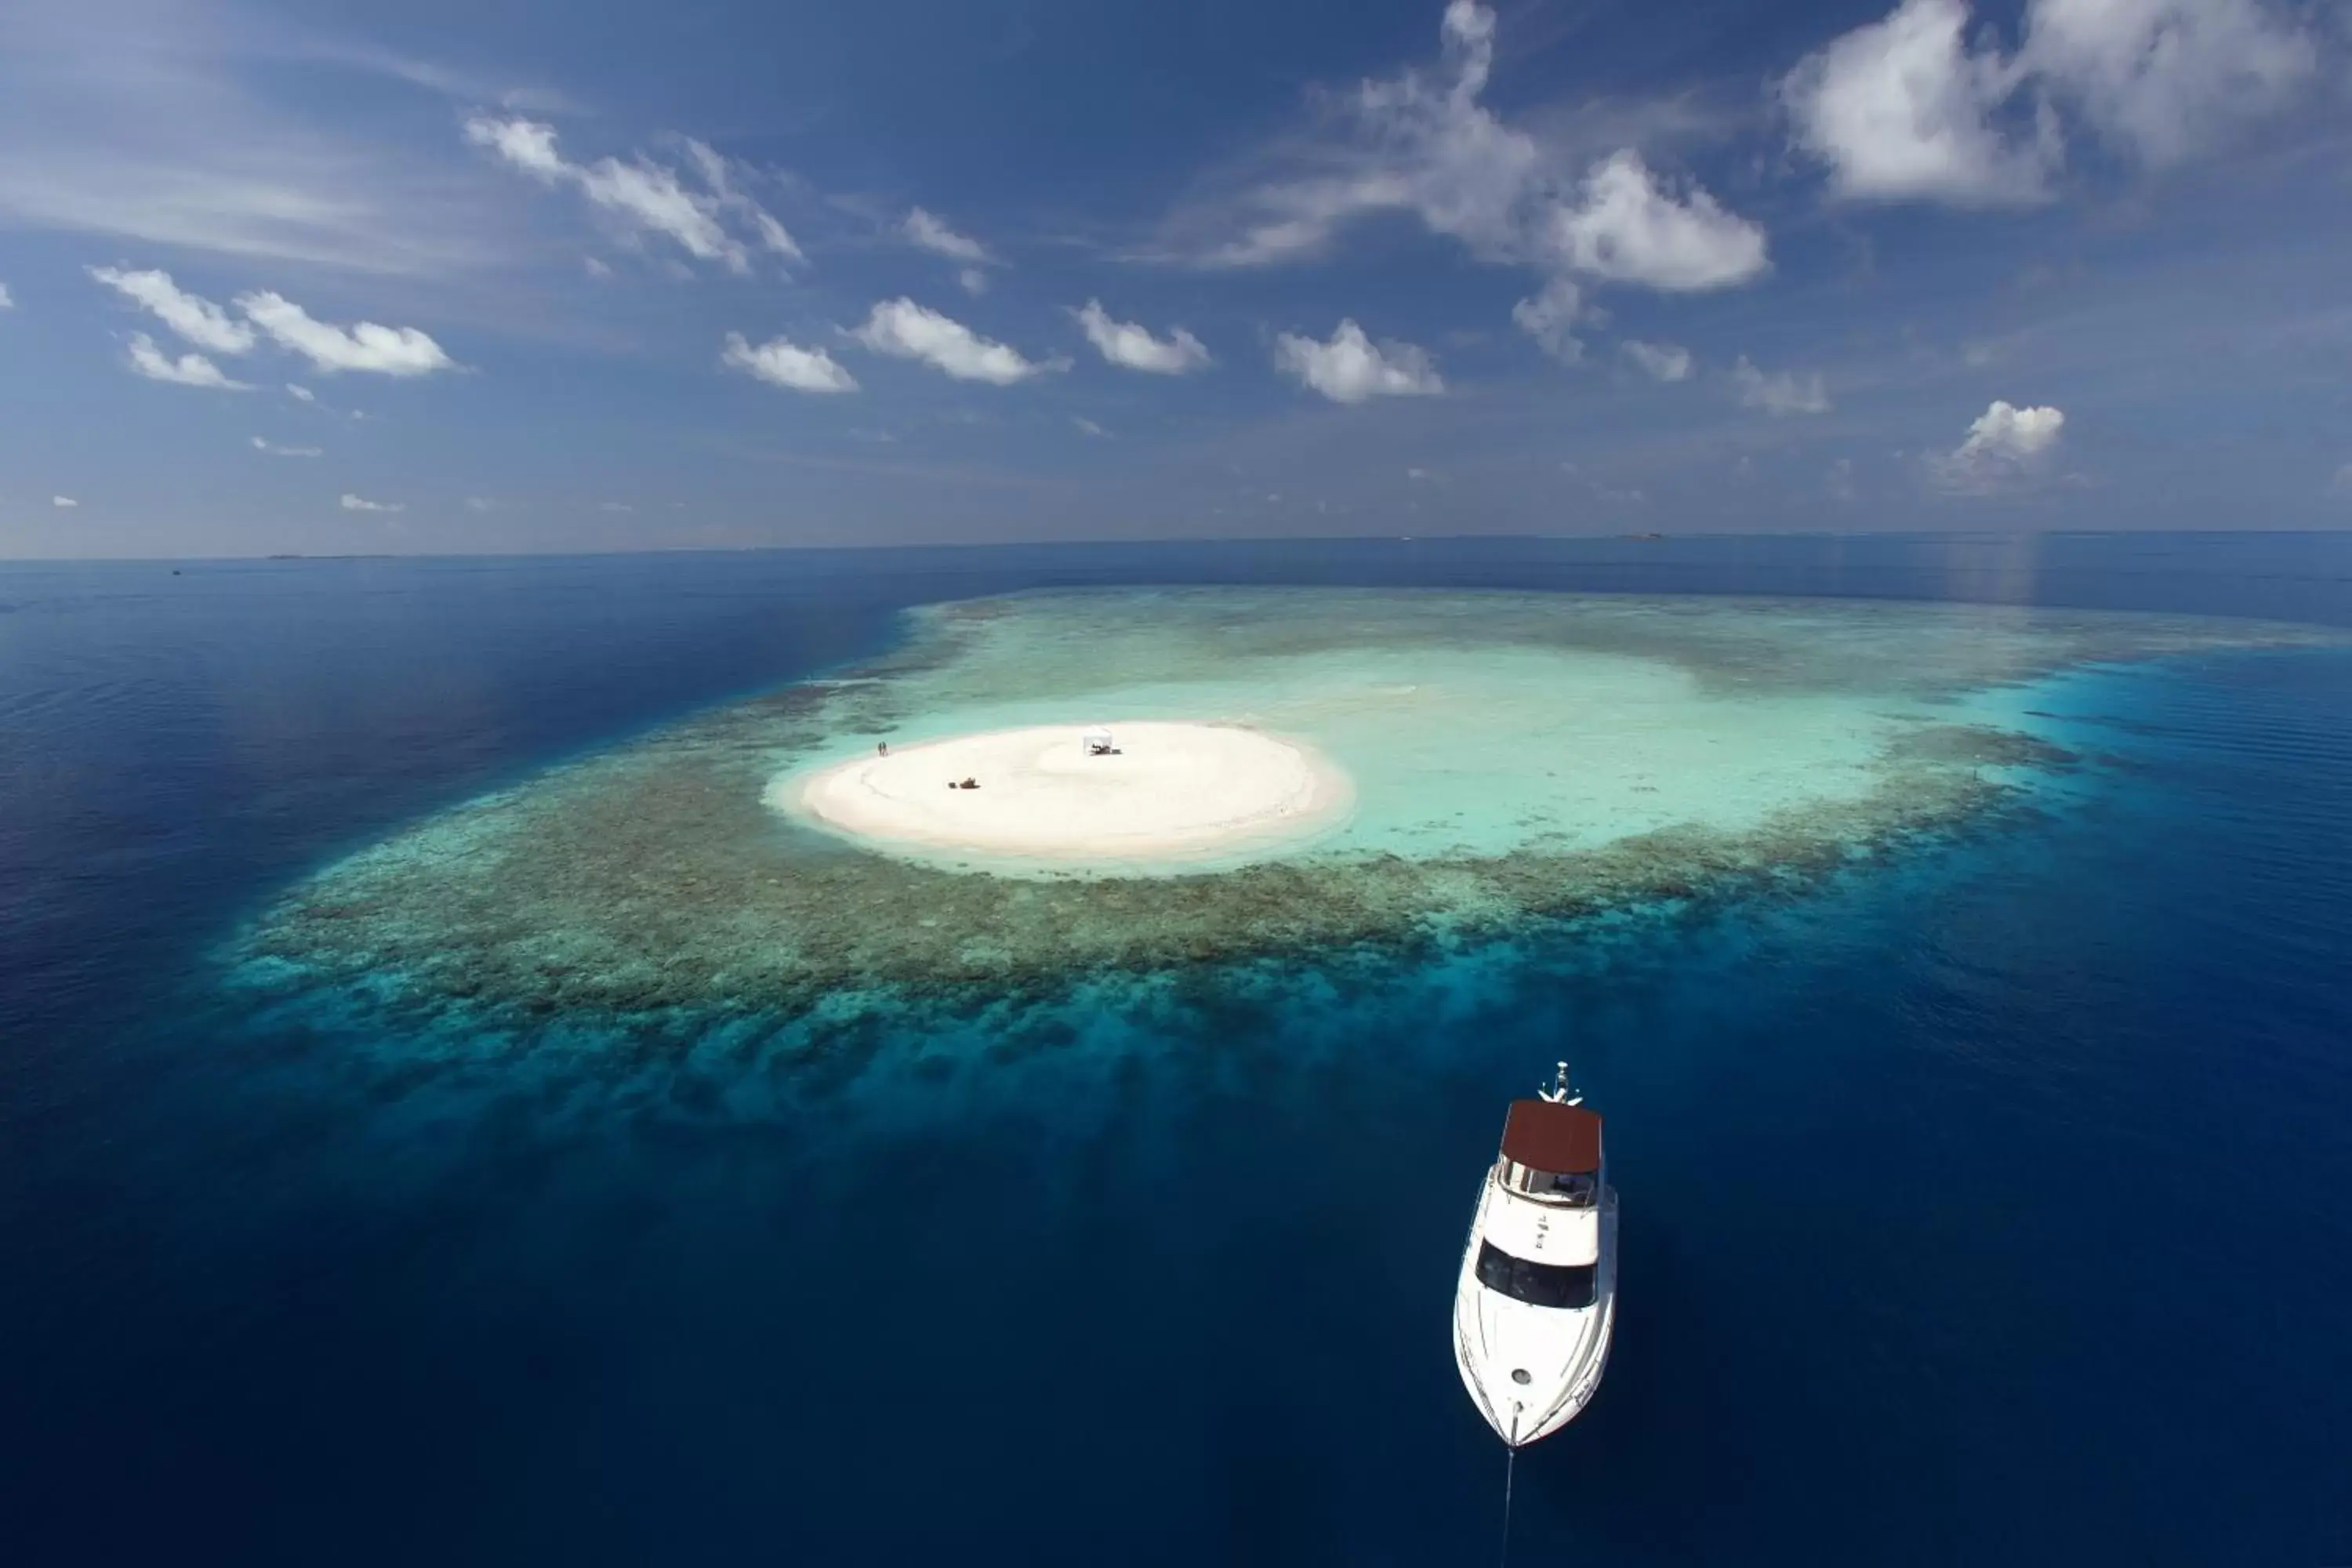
1537, 1284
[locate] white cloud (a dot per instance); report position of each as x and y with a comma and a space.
189, 370
1414, 142
1090, 428
525, 144
652, 197
782, 362
1351, 368
384, 351
933, 233
2005, 446
1839, 480
1659, 362
388, 351
1131, 345
2341, 485
300, 394
1626, 228
644, 197
903, 330
7, 301
2163, 77
360, 503
1426, 475
1422, 142
480, 503
196, 318
275, 450
1548, 315
773, 235
614, 506
1910, 108
64, 503
1904, 108
973, 282
1781, 392
718, 174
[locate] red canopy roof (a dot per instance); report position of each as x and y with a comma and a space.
1562, 1139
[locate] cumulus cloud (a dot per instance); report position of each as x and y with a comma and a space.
1628, 228
1423, 143
360, 503
972, 280
1352, 368
646, 197
782, 362
1780, 392
388, 351
194, 317
931, 232
903, 330
189, 370
1659, 362
1131, 345
2006, 447
261, 444
1905, 108
64, 503
1911, 108
383, 351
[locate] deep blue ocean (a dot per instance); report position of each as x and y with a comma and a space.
1990, 1204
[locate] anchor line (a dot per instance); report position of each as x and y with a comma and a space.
1510, 1472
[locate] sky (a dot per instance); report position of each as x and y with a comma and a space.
348, 276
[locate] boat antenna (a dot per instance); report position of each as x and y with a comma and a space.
1558, 1093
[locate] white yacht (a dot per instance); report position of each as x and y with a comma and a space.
1538, 1290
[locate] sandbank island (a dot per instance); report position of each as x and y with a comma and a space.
1059, 797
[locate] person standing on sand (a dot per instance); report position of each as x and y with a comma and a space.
882, 748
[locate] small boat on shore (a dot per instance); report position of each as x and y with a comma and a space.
1537, 1295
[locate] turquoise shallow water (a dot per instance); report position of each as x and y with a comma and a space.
1117, 1221
1513, 757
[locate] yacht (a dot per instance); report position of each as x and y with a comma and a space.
1537, 1295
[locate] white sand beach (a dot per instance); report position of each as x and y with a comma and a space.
1171, 792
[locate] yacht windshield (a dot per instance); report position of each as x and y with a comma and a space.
1575, 1189
1537, 1284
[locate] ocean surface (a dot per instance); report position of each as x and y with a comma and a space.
398, 1164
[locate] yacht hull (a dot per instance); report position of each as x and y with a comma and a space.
1529, 1369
